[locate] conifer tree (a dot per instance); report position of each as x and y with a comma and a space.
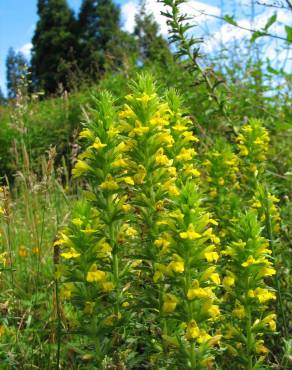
2, 97
54, 46
16, 69
99, 31
152, 45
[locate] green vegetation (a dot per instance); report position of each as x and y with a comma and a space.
145, 218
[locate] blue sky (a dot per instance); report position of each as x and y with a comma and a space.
18, 19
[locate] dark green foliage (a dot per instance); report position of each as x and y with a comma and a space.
152, 46
16, 69
2, 98
54, 47
99, 36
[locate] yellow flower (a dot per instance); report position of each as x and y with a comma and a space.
214, 311
86, 133
161, 158
119, 163
80, 168
204, 337
71, 253
162, 243
128, 180
260, 348
186, 154
228, 281
107, 286
109, 184
215, 278
188, 136
176, 266
22, 251
170, 303
139, 130
264, 295
190, 170
192, 331
211, 256
239, 312
98, 145
190, 234
131, 232
95, 275
270, 320
266, 271
243, 150
203, 293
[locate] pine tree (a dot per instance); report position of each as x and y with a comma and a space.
16, 70
99, 32
2, 98
152, 46
54, 46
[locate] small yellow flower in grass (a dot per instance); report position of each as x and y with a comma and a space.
264, 295
170, 303
176, 266
2, 330
119, 163
109, 184
3, 258
239, 312
201, 293
189, 136
214, 311
98, 144
35, 250
158, 275
71, 253
193, 330
211, 256
95, 275
190, 234
22, 251
131, 232
139, 130
251, 261
128, 180
260, 348
161, 158
204, 337
86, 133
270, 320
125, 304
2, 211
221, 181
80, 168
190, 170
243, 151
162, 243
228, 281
107, 286
215, 278
109, 321
186, 154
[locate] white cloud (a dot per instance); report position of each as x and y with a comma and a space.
192, 8
26, 49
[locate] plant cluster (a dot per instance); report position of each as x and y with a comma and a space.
153, 272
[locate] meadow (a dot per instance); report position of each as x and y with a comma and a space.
145, 222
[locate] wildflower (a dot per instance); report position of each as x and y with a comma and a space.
128, 180
186, 154
176, 266
95, 275
203, 293
211, 256
264, 295
86, 133
239, 312
22, 251
214, 311
107, 286
71, 253
228, 281
109, 184
80, 168
98, 145
170, 303
190, 234
192, 331
161, 158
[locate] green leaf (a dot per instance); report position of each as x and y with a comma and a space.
270, 21
272, 70
230, 19
256, 35
289, 33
